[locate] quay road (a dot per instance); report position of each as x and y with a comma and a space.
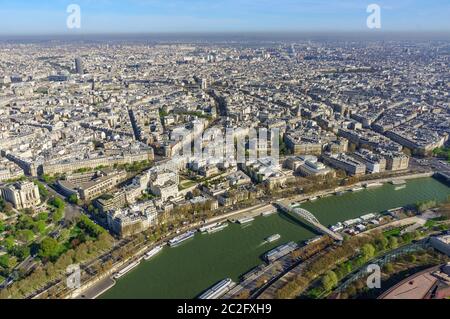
96, 290
261, 276
269, 290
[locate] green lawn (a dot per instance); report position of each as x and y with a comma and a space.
187, 183
392, 232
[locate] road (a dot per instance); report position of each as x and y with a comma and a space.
435, 164
71, 211
99, 288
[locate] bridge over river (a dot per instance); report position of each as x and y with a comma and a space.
310, 219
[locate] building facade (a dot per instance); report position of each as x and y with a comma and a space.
22, 195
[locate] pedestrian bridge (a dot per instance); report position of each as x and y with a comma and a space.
310, 219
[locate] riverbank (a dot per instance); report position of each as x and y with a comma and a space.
319, 194
202, 261
270, 290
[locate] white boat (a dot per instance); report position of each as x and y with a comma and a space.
125, 270
204, 229
368, 217
352, 222
338, 227
245, 220
357, 189
313, 240
273, 238
269, 212
400, 187
218, 290
180, 239
280, 251
153, 252
313, 198
217, 228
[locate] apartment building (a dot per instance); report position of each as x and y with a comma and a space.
342, 161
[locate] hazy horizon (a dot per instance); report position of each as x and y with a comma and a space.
234, 36
21, 17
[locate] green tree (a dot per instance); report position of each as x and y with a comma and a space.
57, 203
9, 243
40, 227
104, 241
42, 216
81, 253
42, 190
329, 280
393, 242
389, 268
90, 227
381, 243
57, 216
411, 258
21, 252
407, 237
49, 248
73, 199
368, 251
5, 261
25, 222
25, 235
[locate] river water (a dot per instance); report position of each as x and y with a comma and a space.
187, 270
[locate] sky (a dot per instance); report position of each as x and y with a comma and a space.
29, 17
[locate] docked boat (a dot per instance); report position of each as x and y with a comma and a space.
182, 238
273, 238
280, 251
153, 252
218, 290
313, 198
398, 182
217, 228
205, 229
400, 187
127, 269
313, 240
371, 185
338, 227
357, 189
245, 220
269, 212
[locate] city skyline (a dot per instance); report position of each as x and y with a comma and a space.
155, 16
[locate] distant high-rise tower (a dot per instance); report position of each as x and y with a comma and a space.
204, 84
79, 66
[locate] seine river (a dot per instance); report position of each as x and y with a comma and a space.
185, 271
